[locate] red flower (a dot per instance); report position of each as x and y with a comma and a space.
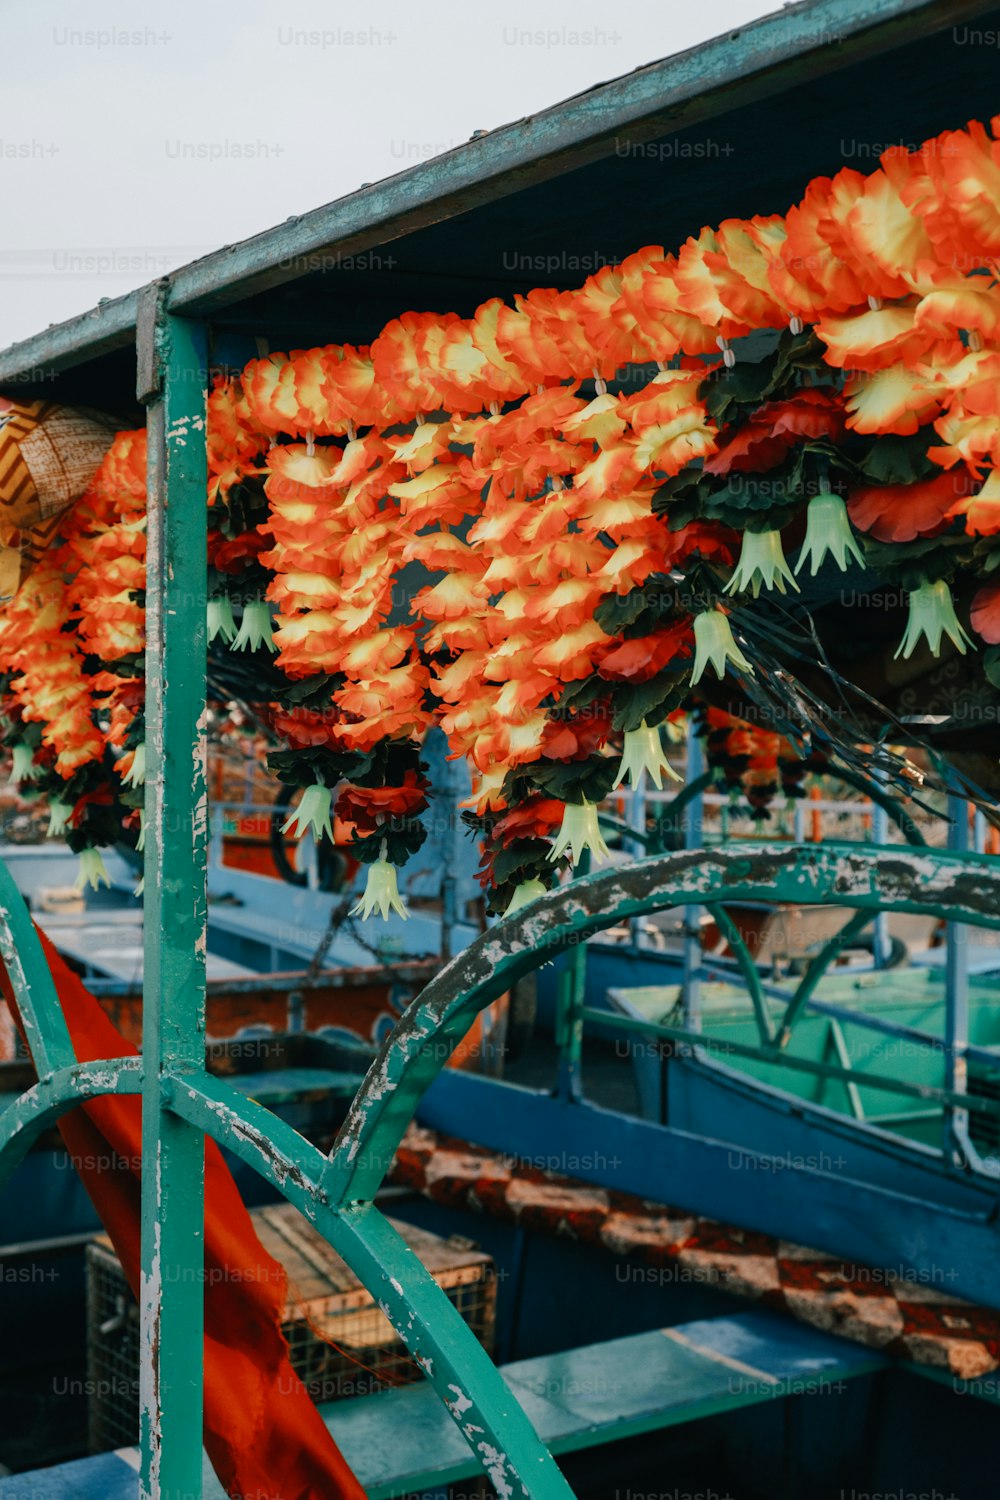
302, 727
751, 450
365, 808
774, 428
639, 659
576, 738
900, 512
985, 614
535, 819
230, 554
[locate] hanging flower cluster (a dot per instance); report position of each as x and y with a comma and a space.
466, 524
754, 763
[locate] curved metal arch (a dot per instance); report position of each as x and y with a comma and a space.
335, 1192
960, 888
54, 1095
473, 1390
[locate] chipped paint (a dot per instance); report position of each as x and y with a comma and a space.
963, 889
495, 1464
460, 1404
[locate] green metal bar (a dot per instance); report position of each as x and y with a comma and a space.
172, 1286
690, 792
336, 1192
570, 995
430, 1325
836, 1036
747, 967
723, 1047
22, 1122
806, 986
897, 879
610, 824
44, 1024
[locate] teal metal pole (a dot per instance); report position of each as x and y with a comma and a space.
958, 1148
880, 927
572, 991
172, 1278
692, 839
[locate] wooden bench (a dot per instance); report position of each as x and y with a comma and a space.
403, 1441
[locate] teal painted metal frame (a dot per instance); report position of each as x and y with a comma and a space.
172, 1290
335, 1192
182, 1103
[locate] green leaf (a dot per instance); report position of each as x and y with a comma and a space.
522, 855
587, 780
618, 611
652, 700
991, 666
899, 460
745, 385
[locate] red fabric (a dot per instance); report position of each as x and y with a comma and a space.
262, 1432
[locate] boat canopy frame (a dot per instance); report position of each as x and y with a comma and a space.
183, 1103
166, 324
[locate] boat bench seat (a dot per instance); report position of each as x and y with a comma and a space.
403, 1441
274, 1086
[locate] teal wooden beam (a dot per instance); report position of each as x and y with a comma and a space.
109, 326
176, 905
745, 65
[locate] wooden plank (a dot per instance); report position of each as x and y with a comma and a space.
403, 1440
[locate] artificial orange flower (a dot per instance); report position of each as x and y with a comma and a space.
900, 512
981, 510
985, 614
642, 657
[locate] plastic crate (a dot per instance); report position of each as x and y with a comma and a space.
340, 1343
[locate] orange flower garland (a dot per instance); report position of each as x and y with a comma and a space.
460, 456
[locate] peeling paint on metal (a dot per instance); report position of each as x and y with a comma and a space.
460, 1404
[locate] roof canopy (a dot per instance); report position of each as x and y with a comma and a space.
733, 127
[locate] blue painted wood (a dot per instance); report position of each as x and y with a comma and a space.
106, 1477
403, 1440
865, 1199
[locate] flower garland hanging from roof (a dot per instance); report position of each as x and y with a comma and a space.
453, 531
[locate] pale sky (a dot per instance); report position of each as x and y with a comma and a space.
136, 136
